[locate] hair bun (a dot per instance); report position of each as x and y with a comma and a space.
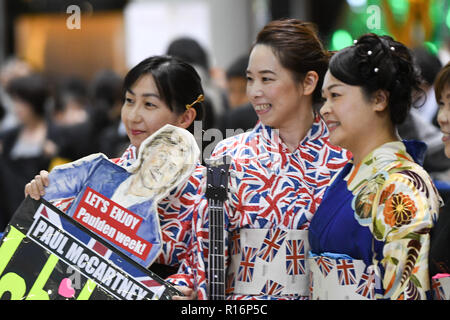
379, 62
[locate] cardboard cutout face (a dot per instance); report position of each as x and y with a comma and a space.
120, 204
165, 159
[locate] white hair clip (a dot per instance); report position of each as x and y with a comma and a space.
392, 48
355, 41
369, 52
375, 70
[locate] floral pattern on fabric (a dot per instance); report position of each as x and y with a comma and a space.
397, 200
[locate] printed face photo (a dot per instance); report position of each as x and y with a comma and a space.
163, 162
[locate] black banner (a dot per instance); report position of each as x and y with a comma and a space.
45, 254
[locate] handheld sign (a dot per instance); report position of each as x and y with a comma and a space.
45, 254
119, 203
216, 193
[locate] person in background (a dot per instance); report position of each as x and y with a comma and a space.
242, 116
370, 236
159, 90
278, 171
106, 99
420, 121
28, 147
191, 51
237, 82
429, 65
71, 105
12, 68
70, 112
440, 235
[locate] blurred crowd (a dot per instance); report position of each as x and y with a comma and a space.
46, 121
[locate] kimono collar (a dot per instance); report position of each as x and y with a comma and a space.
272, 139
128, 157
383, 157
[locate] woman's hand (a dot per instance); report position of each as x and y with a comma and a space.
36, 187
189, 294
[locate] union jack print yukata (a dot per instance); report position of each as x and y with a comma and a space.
175, 215
276, 193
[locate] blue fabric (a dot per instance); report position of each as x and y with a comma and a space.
416, 149
334, 228
103, 176
331, 255
443, 186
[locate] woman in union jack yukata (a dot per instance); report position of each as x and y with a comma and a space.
370, 237
159, 90
440, 235
278, 171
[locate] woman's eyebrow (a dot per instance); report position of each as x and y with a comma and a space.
331, 86
148, 94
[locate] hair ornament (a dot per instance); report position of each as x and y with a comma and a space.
200, 98
375, 70
355, 41
369, 52
392, 49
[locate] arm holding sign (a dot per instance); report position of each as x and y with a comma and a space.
64, 181
36, 187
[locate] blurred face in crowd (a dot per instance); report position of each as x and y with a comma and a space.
237, 91
23, 110
144, 111
271, 89
444, 117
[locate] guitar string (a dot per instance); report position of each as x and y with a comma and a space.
217, 289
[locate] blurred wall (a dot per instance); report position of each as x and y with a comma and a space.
45, 41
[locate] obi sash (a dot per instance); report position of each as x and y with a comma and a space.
341, 279
268, 262
441, 288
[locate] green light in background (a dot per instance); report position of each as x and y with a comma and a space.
341, 39
432, 48
447, 21
399, 7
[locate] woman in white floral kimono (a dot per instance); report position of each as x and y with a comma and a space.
370, 236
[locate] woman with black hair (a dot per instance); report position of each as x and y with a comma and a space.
278, 171
28, 147
370, 236
159, 90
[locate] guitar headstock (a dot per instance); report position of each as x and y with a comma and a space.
217, 178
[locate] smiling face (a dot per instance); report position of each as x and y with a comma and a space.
163, 161
349, 116
444, 117
271, 89
144, 112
